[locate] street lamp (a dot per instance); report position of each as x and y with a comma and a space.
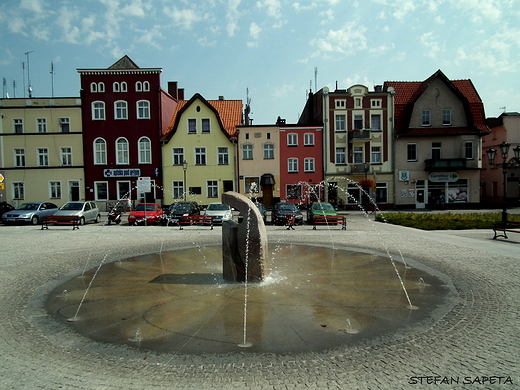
504, 150
185, 168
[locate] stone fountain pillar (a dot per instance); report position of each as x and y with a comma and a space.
246, 241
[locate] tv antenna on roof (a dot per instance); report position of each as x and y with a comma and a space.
29, 88
52, 79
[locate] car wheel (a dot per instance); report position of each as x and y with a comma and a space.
97, 219
35, 220
82, 221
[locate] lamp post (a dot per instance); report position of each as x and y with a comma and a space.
504, 150
185, 168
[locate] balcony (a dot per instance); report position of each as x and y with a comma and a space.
359, 135
445, 164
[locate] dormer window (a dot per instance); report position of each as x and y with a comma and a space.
375, 103
340, 104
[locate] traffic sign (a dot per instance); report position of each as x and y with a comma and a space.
2, 186
1, 178
144, 184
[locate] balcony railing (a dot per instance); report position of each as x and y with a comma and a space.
445, 164
359, 134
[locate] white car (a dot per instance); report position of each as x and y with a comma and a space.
219, 211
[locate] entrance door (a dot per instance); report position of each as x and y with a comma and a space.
74, 191
420, 199
267, 192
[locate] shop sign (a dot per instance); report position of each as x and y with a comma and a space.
123, 172
443, 177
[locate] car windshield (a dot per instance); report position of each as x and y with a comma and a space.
180, 207
218, 206
29, 206
286, 207
72, 206
149, 207
322, 206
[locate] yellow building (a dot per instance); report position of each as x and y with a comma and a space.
41, 153
199, 150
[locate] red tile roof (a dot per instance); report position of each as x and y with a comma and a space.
229, 113
407, 92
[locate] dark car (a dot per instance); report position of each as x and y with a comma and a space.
284, 209
5, 207
31, 212
178, 209
262, 211
150, 213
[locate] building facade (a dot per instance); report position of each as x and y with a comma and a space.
41, 150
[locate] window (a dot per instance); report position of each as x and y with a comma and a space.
145, 151
138, 86
292, 139
252, 184
41, 125
124, 86
381, 192
294, 191
93, 87
200, 156
101, 87
123, 190
223, 155
375, 122
18, 126
143, 109
469, 150
18, 190
178, 189
358, 122
375, 155
192, 126
247, 152
411, 152
353, 193
308, 139
19, 157
292, 165
340, 122
146, 86
357, 102
121, 110
101, 190
65, 125
43, 157
436, 150
446, 117
341, 156
122, 156
340, 103
115, 87
358, 155
308, 164
212, 188
375, 103
55, 190
100, 151
268, 151
205, 126
426, 118
98, 111
177, 156
66, 156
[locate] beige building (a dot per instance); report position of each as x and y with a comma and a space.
41, 152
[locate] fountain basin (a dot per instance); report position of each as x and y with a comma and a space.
316, 298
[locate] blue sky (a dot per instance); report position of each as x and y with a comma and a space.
269, 47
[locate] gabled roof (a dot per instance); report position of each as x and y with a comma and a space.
124, 63
228, 113
407, 93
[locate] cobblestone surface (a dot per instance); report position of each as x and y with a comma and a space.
478, 338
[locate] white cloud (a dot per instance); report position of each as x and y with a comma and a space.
66, 17
349, 39
479, 9
150, 37
183, 17
283, 91
433, 47
136, 8
232, 16
439, 20
403, 7
17, 25
272, 7
32, 5
254, 30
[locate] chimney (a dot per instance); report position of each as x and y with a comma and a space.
173, 90
181, 94
221, 98
378, 88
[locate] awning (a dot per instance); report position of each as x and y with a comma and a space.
267, 179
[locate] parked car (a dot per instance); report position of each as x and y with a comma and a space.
219, 211
320, 209
31, 212
282, 209
262, 211
151, 212
86, 211
178, 209
5, 207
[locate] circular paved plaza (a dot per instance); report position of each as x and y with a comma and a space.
474, 345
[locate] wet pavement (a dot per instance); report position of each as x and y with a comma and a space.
473, 345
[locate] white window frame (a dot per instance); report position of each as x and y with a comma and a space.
251, 184
138, 86
446, 117
308, 164
41, 125
97, 185
145, 150
115, 86
375, 155
426, 118
247, 152
125, 193
19, 157
268, 151
66, 156
375, 103
340, 123
411, 147
100, 151
469, 150
122, 151
308, 139
292, 139
54, 189
341, 156
222, 155
101, 87
356, 118
124, 87
292, 165
340, 103
18, 124
177, 156
192, 126
200, 155
357, 155
120, 110
65, 125
146, 86
93, 87
18, 190
42, 157
178, 189
98, 110
378, 122
143, 109
205, 126
212, 189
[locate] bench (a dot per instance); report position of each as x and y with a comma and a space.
509, 226
188, 220
61, 220
329, 220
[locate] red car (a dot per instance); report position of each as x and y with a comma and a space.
151, 212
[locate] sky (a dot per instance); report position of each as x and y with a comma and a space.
270, 51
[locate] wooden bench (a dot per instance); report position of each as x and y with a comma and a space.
61, 220
509, 226
329, 220
188, 220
